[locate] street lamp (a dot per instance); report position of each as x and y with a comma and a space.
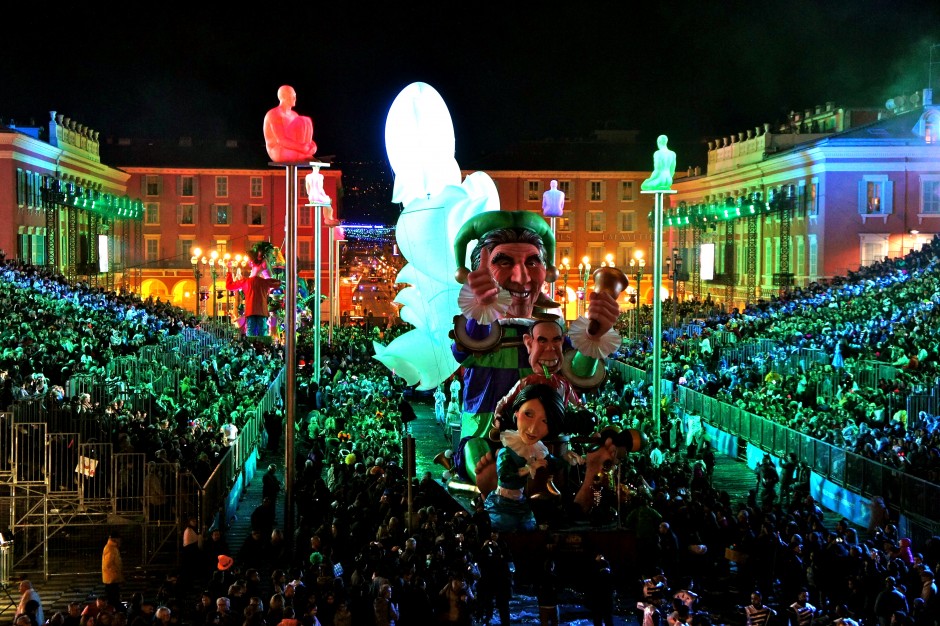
194, 260
673, 270
584, 268
212, 262
565, 268
637, 263
227, 262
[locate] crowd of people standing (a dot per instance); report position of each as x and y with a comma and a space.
357, 558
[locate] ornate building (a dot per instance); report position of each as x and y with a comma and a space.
824, 193
60, 206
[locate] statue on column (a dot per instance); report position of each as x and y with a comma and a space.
553, 201
664, 167
316, 194
288, 136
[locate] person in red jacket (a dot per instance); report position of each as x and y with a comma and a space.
255, 287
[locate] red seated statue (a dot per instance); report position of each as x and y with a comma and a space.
288, 136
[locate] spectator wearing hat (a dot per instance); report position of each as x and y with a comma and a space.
457, 598
270, 484
213, 547
112, 569
222, 577
601, 591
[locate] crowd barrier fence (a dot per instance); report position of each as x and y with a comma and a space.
65, 485
917, 499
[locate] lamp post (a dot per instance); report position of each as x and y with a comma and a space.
584, 268
212, 262
565, 268
638, 263
194, 261
227, 262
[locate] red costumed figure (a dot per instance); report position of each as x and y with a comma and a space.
256, 288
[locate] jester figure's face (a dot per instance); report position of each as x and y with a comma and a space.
519, 269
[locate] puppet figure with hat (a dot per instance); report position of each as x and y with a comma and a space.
501, 292
256, 287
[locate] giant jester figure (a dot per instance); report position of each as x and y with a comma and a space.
510, 263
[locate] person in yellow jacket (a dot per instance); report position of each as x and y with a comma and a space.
112, 569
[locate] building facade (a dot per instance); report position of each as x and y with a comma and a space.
775, 207
218, 211
826, 193
61, 207
830, 192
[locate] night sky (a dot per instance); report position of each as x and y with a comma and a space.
508, 71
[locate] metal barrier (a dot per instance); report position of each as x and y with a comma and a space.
68, 487
928, 403
871, 373
918, 499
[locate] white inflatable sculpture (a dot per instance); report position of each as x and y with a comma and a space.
419, 140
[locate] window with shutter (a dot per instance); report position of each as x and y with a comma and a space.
152, 186
930, 195
187, 214
221, 213
627, 220
534, 190
595, 191
186, 186
152, 214
874, 196
626, 191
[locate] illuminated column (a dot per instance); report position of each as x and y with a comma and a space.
658, 196
659, 184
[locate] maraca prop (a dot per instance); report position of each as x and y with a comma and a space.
607, 279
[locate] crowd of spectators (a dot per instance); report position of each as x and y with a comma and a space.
55, 332
355, 558
878, 318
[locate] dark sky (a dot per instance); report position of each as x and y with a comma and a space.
507, 70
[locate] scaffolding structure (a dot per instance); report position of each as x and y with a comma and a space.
64, 486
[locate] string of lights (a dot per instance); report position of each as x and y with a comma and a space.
373, 233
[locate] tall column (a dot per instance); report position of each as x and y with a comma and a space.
657, 307
290, 344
